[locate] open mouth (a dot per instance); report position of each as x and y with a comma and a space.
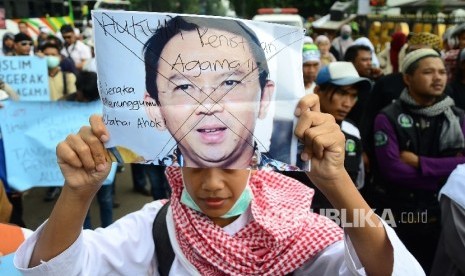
211, 130
212, 135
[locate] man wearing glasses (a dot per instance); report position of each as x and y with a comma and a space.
74, 48
23, 44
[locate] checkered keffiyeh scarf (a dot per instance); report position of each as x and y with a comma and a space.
282, 236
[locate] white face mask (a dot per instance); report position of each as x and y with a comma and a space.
52, 61
239, 207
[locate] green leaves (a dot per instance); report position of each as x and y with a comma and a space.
243, 8
210, 7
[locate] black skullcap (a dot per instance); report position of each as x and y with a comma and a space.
66, 29
22, 37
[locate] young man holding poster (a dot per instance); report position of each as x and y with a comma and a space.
219, 222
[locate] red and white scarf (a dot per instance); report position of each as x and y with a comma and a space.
282, 236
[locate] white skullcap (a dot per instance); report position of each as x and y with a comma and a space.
321, 38
416, 55
346, 29
308, 40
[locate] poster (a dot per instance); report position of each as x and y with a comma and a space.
31, 131
198, 91
27, 75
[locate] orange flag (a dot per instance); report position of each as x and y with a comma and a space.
11, 237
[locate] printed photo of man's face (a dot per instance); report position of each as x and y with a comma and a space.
198, 91
210, 97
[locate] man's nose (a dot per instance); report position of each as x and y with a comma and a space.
348, 101
438, 75
212, 180
211, 102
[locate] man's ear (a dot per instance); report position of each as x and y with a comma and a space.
406, 79
317, 90
152, 109
267, 95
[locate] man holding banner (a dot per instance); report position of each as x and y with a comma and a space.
218, 222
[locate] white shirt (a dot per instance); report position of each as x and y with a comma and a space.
455, 186
90, 65
127, 248
310, 89
77, 51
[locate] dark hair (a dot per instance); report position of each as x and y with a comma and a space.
352, 52
86, 82
22, 37
8, 35
66, 29
55, 40
49, 44
329, 88
333, 88
5, 49
176, 25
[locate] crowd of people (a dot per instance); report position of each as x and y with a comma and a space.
398, 117
409, 121
72, 76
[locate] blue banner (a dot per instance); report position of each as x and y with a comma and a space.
28, 75
7, 267
31, 132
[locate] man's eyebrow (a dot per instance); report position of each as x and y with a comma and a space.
235, 73
347, 89
177, 77
222, 76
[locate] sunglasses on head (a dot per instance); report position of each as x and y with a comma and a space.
25, 43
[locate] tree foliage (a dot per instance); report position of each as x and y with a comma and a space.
243, 8
248, 8
210, 7
433, 6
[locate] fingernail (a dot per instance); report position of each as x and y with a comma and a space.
104, 138
304, 156
297, 111
101, 167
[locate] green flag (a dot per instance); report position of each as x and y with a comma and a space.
71, 13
